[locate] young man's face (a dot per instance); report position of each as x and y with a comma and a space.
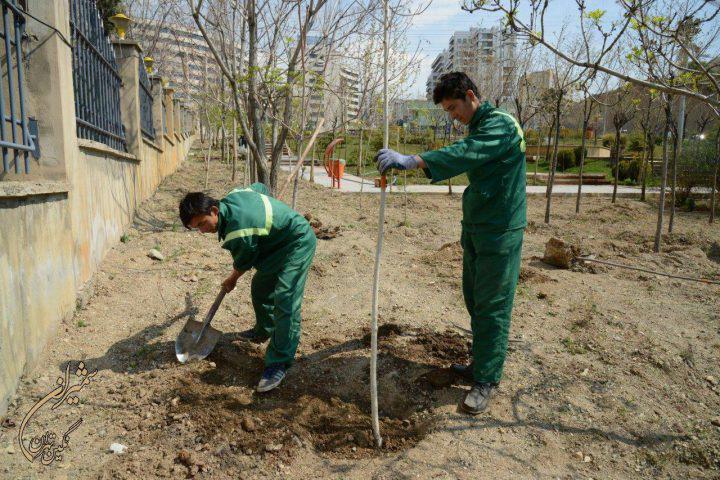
463, 109
206, 223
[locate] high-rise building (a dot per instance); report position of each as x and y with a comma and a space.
487, 55
332, 85
180, 54
439, 66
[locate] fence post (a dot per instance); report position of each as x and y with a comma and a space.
128, 54
170, 113
157, 94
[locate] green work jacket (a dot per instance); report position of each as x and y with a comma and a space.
493, 155
260, 231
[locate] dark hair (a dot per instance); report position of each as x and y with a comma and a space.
453, 85
195, 203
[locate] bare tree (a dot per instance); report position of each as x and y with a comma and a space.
565, 78
669, 23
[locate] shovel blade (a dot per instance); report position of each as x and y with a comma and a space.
190, 346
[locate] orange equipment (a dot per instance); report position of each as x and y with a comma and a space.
334, 167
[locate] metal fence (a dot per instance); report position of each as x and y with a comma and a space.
18, 139
146, 103
95, 78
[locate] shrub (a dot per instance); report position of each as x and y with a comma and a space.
576, 152
565, 160
629, 169
635, 143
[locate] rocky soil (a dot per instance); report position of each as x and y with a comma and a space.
611, 373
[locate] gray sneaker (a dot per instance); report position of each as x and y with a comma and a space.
477, 399
272, 377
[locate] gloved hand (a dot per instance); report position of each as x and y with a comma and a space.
387, 158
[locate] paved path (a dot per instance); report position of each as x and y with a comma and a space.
351, 184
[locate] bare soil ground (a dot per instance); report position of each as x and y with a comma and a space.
611, 373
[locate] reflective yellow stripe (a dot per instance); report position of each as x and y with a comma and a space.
246, 232
517, 125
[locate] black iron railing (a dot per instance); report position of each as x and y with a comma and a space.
95, 78
146, 103
12, 91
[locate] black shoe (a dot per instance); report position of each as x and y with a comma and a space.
465, 371
252, 336
477, 399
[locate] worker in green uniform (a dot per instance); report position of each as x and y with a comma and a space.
493, 156
264, 233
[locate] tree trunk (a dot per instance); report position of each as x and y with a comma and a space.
547, 151
551, 176
582, 166
663, 181
648, 157
235, 153
617, 163
259, 166
713, 192
673, 184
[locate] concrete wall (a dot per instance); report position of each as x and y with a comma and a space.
59, 222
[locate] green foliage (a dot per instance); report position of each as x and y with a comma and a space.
577, 151
696, 165
636, 143
595, 15
629, 170
107, 9
376, 141
565, 160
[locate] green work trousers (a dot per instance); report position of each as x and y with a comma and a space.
491, 267
277, 299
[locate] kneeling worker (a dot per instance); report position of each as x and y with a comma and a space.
264, 233
493, 155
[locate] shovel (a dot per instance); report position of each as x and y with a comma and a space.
197, 340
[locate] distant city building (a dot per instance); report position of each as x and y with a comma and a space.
333, 85
487, 55
439, 66
180, 54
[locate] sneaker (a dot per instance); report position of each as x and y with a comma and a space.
272, 377
464, 371
252, 336
477, 399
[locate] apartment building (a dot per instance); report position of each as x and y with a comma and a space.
180, 54
487, 55
332, 86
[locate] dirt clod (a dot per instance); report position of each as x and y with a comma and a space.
248, 424
559, 253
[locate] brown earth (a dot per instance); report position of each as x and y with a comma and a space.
610, 374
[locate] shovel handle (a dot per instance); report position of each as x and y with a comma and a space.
211, 312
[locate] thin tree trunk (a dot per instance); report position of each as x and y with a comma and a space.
361, 168
312, 164
673, 184
582, 166
647, 161
713, 192
663, 182
547, 151
449, 186
207, 165
617, 163
551, 177
234, 140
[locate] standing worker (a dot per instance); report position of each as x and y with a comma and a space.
493, 155
264, 233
